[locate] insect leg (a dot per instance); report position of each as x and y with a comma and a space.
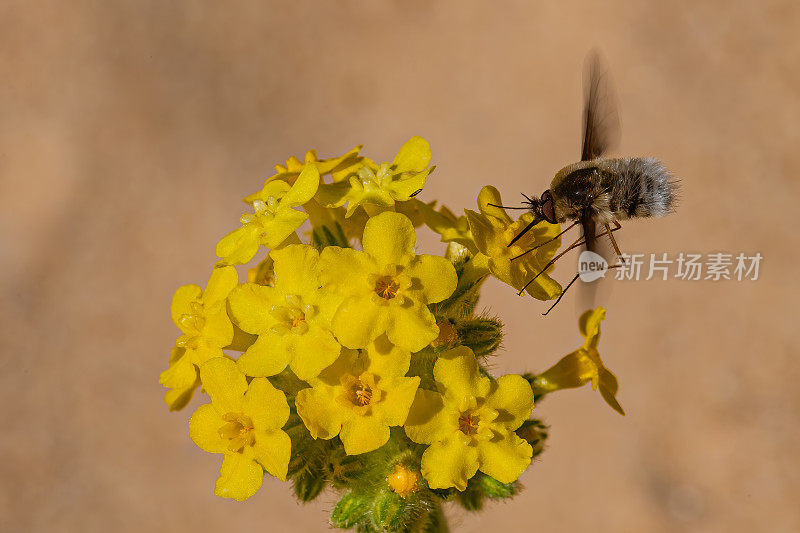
617, 226
575, 244
570, 285
546, 242
509, 207
526, 229
562, 294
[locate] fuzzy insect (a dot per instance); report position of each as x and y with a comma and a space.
598, 192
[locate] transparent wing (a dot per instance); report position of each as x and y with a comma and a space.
601, 128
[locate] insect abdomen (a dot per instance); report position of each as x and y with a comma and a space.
643, 187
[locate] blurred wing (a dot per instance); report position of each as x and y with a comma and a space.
601, 128
602, 246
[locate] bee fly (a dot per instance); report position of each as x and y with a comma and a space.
598, 192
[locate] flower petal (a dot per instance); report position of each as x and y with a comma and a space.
413, 156
182, 300
429, 420
277, 188
457, 377
403, 188
484, 234
239, 246
345, 270
608, 389
361, 434
280, 228
250, 305
320, 412
504, 457
240, 476
389, 238
312, 351
224, 383
268, 356
399, 395
177, 399
204, 429
295, 269
386, 359
265, 405
436, 276
543, 288
205, 350
218, 329
449, 463
333, 194
490, 195
412, 328
304, 188
222, 281
180, 374
358, 321
512, 397
573, 370
273, 449
589, 325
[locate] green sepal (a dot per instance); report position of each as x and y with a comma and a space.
343, 469
482, 335
324, 236
471, 499
389, 511
495, 489
308, 484
435, 521
535, 432
350, 510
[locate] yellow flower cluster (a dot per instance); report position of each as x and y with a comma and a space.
339, 330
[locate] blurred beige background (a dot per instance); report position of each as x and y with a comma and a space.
130, 131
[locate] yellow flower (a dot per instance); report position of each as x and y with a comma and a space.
469, 423
274, 219
583, 365
359, 397
243, 422
493, 230
386, 288
291, 318
203, 319
293, 167
382, 185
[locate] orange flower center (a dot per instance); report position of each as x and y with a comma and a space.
387, 288
238, 430
362, 394
468, 423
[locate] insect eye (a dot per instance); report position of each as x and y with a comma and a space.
547, 208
